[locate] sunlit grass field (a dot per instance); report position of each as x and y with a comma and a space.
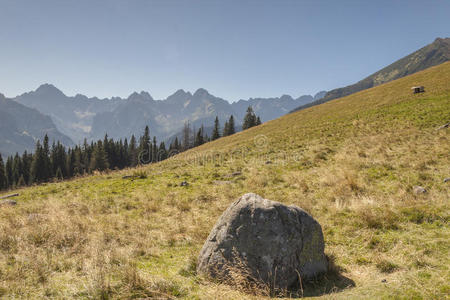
351, 163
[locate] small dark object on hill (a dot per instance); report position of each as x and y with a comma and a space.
268, 162
236, 174
418, 89
184, 183
8, 202
127, 176
447, 179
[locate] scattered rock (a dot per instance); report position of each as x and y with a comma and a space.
184, 183
444, 126
419, 190
384, 281
127, 176
447, 179
267, 241
8, 202
221, 182
9, 196
268, 162
234, 174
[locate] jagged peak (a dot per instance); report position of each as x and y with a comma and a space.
140, 96
48, 88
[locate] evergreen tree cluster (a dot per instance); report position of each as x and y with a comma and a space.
250, 119
56, 162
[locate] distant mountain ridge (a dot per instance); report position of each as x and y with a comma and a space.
81, 117
21, 127
428, 56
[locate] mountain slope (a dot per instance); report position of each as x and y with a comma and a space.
428, 56
21, 127
351, 163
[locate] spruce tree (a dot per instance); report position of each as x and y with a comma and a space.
145, 147
162, 152
47, 166
199, 139
38, 173
249, 119
3, 179
216, 130
225, 129
132, 152
231, 126
99, 160
26, 161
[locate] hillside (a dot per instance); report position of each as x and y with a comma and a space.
351, 163
21, 127
428, 56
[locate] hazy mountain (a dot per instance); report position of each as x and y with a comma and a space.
428, 56
21, 126
80, 117
73, 116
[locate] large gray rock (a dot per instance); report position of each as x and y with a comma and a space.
269, 242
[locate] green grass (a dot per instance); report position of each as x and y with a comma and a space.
351, 163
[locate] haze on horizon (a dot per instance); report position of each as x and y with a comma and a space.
234, 49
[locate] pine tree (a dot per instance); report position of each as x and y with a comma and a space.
199, 139
47, 166
249, 119
154, 151
39, 169
231, 126
3, 179
99, 160
145, 147
162, 152
26, 161
132, 152
216, 130
186, 136
258, 121
225, 129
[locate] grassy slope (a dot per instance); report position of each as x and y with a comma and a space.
351, 163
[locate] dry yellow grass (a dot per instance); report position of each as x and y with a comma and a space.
351, 163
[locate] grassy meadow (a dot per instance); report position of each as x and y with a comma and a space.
351, 163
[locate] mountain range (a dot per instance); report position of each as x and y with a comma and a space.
431, 55
79, 117
21, 127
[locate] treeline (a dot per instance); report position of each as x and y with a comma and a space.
58, 162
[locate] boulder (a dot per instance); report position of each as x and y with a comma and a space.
447, 179
269, 242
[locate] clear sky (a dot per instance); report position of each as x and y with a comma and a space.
234, 49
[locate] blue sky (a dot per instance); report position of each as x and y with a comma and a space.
234, 49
